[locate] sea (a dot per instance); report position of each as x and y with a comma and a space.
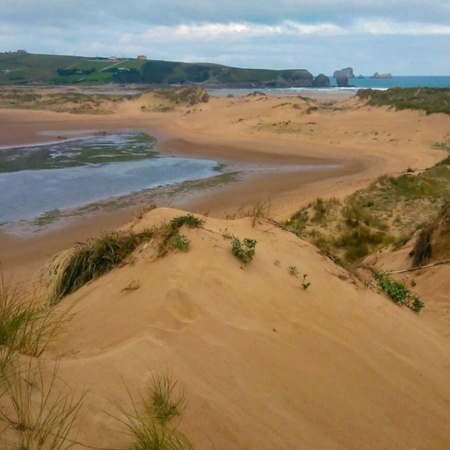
355, 84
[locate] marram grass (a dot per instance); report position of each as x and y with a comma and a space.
72, 269
69, 270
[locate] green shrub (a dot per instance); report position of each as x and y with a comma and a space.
182, 243
243, 251
398, 292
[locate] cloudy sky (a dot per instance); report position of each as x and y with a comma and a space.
404, 37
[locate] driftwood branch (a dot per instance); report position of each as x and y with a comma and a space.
439, 263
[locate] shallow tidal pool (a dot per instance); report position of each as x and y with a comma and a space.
37, 179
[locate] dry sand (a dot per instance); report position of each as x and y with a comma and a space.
266, 364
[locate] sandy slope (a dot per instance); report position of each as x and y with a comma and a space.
266, 363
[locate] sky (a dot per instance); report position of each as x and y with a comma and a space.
402, 37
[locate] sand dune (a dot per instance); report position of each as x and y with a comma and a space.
266, 363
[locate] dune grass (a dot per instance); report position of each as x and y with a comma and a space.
39, 409
387, 212
152, 426
430, 100
27, 325
68, 271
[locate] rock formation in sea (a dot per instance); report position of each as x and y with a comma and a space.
347, 72
321, 81
381, 75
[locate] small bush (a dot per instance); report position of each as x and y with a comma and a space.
243, 251
293, 271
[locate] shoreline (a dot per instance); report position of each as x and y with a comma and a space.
237, 131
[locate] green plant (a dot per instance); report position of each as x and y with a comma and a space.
42, 412
245, 250
398, 292
189, 220
70, 270
305, 284
293, 271
151, 428
26, 324
182, 242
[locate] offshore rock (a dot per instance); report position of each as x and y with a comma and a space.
321, 81
381, 75
347, 72
342, 81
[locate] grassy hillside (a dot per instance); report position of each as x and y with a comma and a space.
20, 68
430, 100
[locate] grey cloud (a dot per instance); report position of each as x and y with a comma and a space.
70, 13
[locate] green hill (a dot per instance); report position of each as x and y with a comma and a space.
22, 68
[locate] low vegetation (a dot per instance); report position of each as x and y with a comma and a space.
430, 100
388, 212
27, 325
69, 271
37, 410
245, 250
398, 292
188, 95
151, 425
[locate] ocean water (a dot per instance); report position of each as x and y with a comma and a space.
356, 83
38, 179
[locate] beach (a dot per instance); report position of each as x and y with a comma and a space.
359, 144
282, 348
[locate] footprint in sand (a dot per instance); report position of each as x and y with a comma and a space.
176, 312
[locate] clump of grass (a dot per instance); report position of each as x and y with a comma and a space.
93, 259
71, 270
41, 413
170, 236
293, 271
188, 220
398, 292
152, 427
260, 210
244, 251
26, 324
